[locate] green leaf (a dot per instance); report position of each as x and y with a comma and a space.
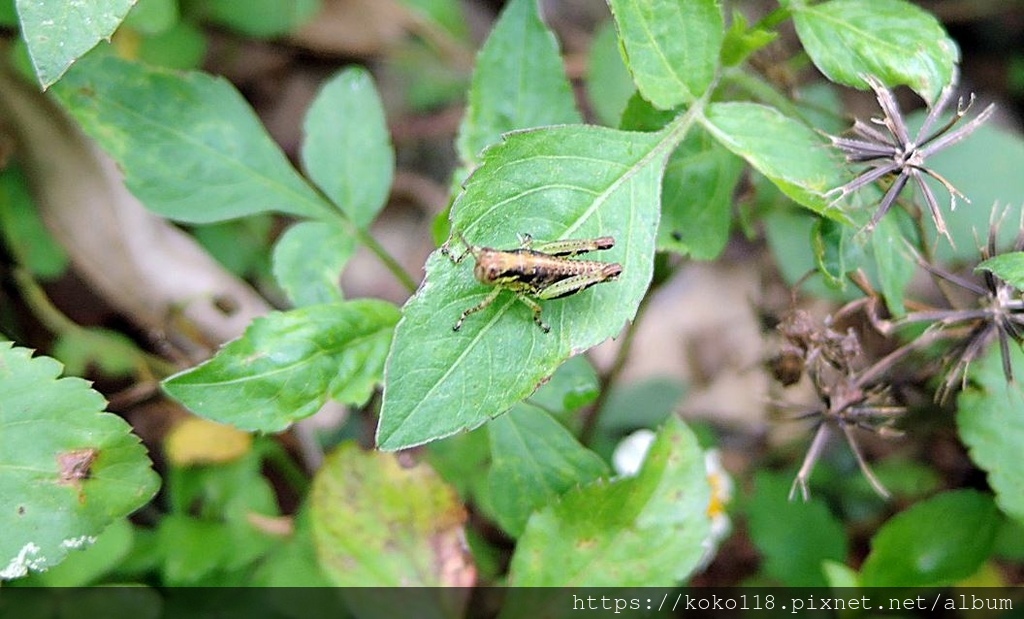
192, 549
463, 461
142, 558
817, 103
644, 531
8, 14
1009, 267
190, 147
827, 240
259, 18
289, 363
896, 265
216, 502
892, 40
422, 78
992, 426
788, 232
88, 565
697, 188
149, 17
609, 85
445, 14
794, 538
23, 230
740, 41
519, 82
241, 245
294, 564
135, 601
182, 46
67, 469
934, 543
839, 575
347, 151
632, 406
697, 196
985, 167
534, 461
641, 115
379, 523
573, 385
58, 32
907, 480
670, 46
787, 152
112, 352
1009, 542
231, 491
308, 259
554, 183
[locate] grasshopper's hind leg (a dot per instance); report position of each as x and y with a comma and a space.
478, 307
579, 283
533, 305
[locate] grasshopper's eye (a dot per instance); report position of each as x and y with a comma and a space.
486, 273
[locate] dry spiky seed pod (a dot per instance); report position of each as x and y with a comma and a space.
893, 154
848, 398
997, 315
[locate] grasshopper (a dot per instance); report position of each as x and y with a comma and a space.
539, 272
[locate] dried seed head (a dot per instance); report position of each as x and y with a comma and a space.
896, 158
848, 398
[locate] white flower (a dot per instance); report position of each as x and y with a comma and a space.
630, 452
721, 496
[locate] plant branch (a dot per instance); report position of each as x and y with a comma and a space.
758, 88
769, 21
147, 367
382, 254
608, 380
371, 243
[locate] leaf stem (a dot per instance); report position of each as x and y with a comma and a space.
674, 132
611, 377
758, 88
769, 21
382, 254
294, 476
147, 366
435, 36
370, 242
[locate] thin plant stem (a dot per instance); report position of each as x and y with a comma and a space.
760, 89
371, 243
147, 367
610, 378
278, 456
389, 261
772, 19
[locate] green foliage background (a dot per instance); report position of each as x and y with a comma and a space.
517, 425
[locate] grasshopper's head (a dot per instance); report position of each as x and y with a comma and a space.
492, 266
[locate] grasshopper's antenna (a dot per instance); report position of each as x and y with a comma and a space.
446, 250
